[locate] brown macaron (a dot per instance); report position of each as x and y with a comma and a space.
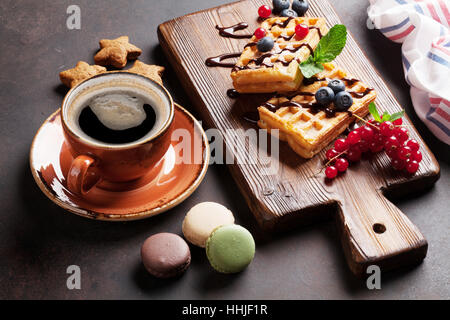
165, 255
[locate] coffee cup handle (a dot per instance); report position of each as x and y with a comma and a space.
83, 175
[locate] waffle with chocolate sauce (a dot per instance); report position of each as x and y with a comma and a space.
304, 124
277, 70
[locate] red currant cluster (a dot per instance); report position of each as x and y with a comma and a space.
374, 136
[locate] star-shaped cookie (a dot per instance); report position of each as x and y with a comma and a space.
153, 72
116, 52
81, 72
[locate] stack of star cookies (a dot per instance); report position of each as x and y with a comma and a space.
116, 53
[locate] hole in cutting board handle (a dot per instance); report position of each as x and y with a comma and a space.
379, 228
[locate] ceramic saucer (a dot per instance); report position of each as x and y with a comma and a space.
173, 179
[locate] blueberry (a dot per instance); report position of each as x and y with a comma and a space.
343, 101
337, 85
265, 44
280, 5
300, 6
324, 96
289, 13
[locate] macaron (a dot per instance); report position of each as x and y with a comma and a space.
165, 255
230, 248
202, 219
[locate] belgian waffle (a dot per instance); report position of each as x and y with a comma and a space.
277, 70
308, 129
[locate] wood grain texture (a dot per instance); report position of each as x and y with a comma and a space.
290, 192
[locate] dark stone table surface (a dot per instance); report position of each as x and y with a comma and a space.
38, 240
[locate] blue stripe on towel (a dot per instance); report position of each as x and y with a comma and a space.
419, 9
395, 27
407, 66
438, 59
406, 62
439, 124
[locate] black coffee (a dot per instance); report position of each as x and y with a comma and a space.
93, 127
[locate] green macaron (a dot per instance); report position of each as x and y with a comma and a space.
230, 248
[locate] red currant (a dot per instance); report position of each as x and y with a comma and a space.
354, 154
378, 138
412, 166
391, 143
398, 122
413, 144
331, 154
401, 134
264, 11
301, 31
355, 147
392, 153
260, 33
358, 130
367, 133
364, 145
341, 145
398, 164
375, 147
386, 129
353, 137
331, 172
404, 153
416, 156
341, 164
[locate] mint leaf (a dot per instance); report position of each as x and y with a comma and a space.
309, 69
397, 115
331, 44
328, 48
310, 60
386, 116
374, 112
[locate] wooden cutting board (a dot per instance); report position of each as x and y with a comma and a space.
288, 192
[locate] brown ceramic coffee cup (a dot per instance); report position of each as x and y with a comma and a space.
95, 160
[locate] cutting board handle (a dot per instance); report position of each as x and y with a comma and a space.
375, 232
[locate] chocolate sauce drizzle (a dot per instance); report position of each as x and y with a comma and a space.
318, 31
250, 44
314, 107
229, 32
360, 95
260, 60
233, 93
217, 61
251, 116
349, 81
286, 37
282, 24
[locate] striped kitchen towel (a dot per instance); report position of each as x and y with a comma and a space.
423, 28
